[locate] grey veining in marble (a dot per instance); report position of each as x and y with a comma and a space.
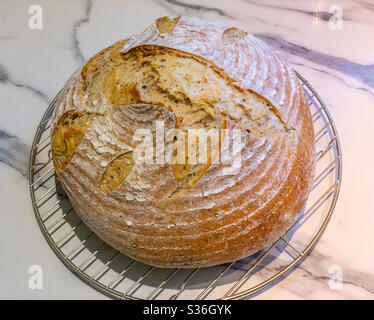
4, 77
85, 19
13, 152
362, 72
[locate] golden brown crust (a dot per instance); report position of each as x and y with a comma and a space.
219, 219
221, 72
166, 25
231, 35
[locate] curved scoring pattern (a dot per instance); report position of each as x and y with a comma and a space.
222, 217
248, 61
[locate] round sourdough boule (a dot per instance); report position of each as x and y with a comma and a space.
190, 74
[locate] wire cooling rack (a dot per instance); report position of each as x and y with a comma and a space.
118, 276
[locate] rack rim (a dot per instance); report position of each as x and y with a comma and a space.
245, 293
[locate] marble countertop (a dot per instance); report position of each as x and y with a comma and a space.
336, 56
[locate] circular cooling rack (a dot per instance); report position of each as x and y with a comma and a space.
119, 276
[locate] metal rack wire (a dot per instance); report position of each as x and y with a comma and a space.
118, 276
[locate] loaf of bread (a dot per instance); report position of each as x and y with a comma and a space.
177, 75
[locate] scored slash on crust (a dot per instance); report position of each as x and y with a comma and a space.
197, 74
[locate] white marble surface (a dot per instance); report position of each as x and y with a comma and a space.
34, 64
